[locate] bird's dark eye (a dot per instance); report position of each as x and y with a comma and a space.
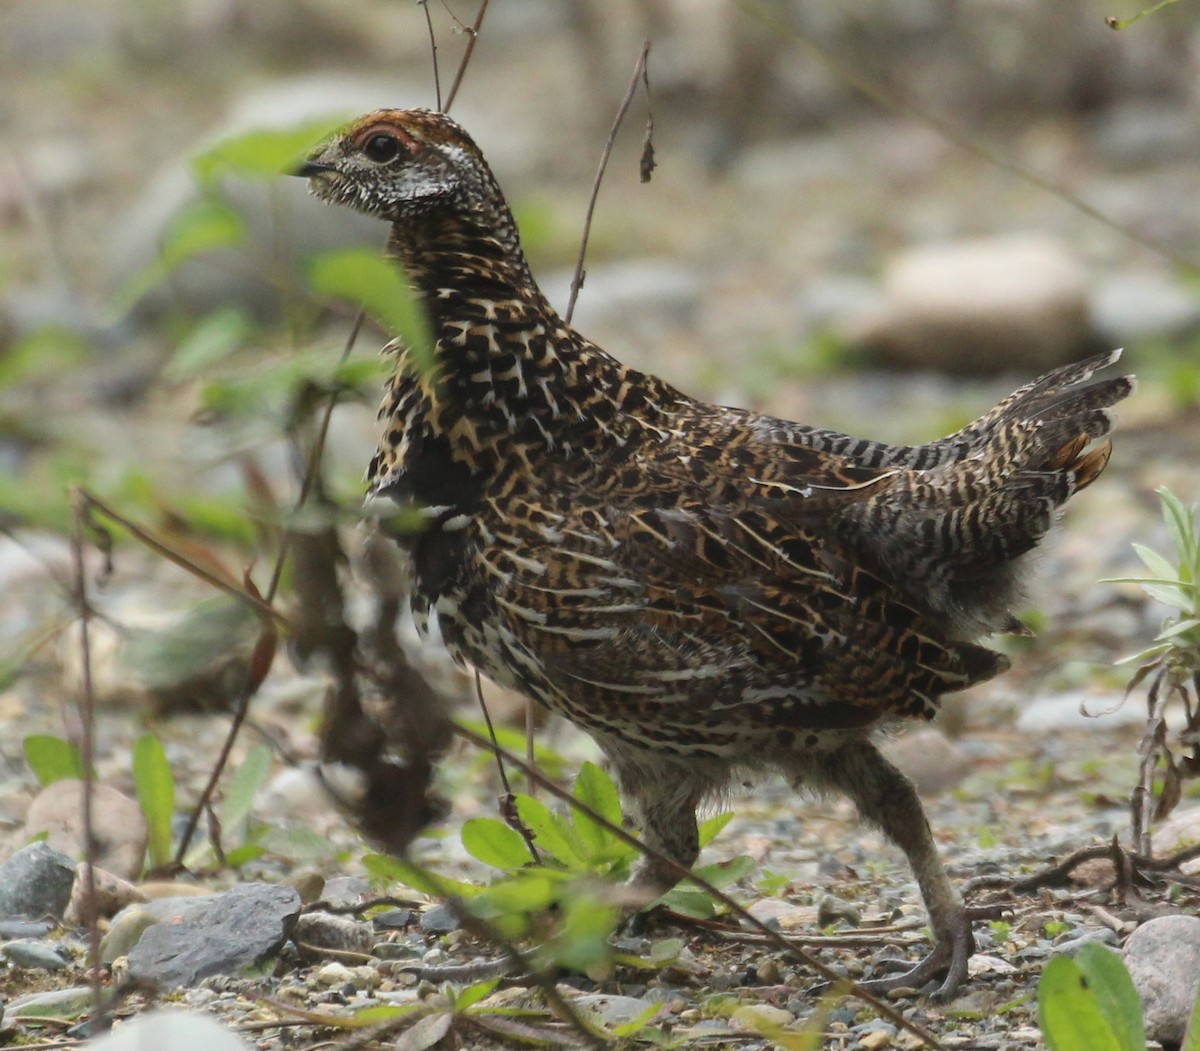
381, 149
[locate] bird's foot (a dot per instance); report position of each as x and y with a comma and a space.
952, 952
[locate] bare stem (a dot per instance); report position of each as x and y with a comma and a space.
639, 73
87, 715
472, 39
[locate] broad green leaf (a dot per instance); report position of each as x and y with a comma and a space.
472, 994
495, 844
550, 832
689, 900
639, 1022
722, 873
264, 153
52, 759
215, 336
243, 787
377, 285
46, 351
156, 795
595, 789
710, 829
1114, 993
1068, 1014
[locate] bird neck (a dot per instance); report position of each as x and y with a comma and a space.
510, 373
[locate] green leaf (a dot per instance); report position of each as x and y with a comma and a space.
1155, 562
264, 153
595, 789
1114, 993
710, 829
1181, 524
472, 994
1068, 1014
215, 336
377, 285
689, 900
52, 759
723, 873
550, 832
244, 786
495, 844
244, 854
156, 794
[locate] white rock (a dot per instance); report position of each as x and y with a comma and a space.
177, 1030
118, 827
1163, 957
1012, 303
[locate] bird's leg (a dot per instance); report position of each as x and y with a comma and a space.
886, 798
664, 796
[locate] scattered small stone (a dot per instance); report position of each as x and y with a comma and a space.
118, 827
876, 1039
234, 932
1182, 830
760, 1018
441, 919
322, 930
24, 928
768, 972
394, 919
345, 891
783, 915
35, 956
334, 974
310, 885
112, 895
610, 1010
1099, 935
981, 963
58, 1003
1163, 957
831, 909
177, 1030
35, 882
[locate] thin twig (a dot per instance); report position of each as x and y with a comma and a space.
251, 685
508, 806
472, 39
639, 73
87, 717
433, 53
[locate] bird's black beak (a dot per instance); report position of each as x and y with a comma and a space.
308, 169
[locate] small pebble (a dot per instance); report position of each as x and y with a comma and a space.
35, 955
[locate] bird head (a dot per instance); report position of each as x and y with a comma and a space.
399, 165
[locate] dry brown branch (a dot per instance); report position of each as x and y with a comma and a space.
472, 39
87, 718
647, 165
433, 53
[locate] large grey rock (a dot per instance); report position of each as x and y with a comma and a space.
1163, 957
229, 934
118, 827
176, 1030
36, 881
1013, 303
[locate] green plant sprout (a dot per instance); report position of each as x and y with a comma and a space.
1171, 664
